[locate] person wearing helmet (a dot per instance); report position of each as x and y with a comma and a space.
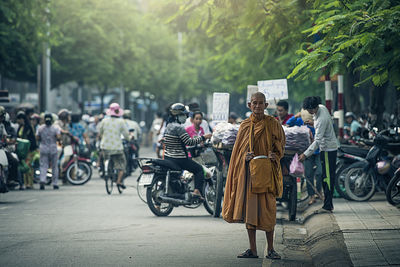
25, 131
48, 134
353, 124
175, 140
132, 125
110, 131
64, 118
35, 121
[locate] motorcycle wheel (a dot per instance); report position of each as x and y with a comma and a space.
210, 193
360, 185
339, 181
141, 190
158, 208
219, 194
80, 176
393, 190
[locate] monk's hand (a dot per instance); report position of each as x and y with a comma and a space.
302, 157
249, 156
272, 155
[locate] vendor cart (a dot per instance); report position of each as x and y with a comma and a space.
289, 194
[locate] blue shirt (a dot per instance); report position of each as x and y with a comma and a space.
77, 130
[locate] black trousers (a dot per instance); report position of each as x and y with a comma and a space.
328, 163
193, 167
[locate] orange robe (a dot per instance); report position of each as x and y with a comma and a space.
240, 205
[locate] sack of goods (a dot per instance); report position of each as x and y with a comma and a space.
225, 133
298, 138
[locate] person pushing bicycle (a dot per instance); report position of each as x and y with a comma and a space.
110, 131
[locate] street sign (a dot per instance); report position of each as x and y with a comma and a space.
274, 89
220, 106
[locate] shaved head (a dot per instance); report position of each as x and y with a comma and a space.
258, 95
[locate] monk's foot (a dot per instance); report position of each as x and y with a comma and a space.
248, 254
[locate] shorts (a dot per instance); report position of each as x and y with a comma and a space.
118, 159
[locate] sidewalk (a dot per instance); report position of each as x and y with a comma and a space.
371, 230
356, 234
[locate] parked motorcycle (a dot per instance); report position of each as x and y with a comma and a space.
77, 170
393, 189
168, 186
3, 168
365, 177
347, 155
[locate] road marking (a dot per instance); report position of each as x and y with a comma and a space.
32, 200
4, 208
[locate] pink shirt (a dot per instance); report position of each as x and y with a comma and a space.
192, 131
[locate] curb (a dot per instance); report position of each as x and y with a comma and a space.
325, 241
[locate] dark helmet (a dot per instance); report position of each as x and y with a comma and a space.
63, 114
178, 109
48, 118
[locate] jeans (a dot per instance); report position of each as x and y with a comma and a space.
193, 167
313, 168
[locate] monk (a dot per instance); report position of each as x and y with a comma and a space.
241, 205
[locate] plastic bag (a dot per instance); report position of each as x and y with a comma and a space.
296, 167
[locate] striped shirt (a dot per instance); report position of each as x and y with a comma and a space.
175, 138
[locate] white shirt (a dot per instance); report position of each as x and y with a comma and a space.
325, 137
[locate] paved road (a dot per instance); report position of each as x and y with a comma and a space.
83, 226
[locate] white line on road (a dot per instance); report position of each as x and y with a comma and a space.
3, 208
32, 200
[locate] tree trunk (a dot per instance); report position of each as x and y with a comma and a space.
102, 94
351, 92
377, 107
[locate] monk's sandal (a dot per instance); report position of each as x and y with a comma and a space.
273, 255
247, 254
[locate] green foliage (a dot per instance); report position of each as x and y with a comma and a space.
22, 31
363, 33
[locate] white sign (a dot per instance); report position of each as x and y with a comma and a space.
220, 106
274, 89
251, 89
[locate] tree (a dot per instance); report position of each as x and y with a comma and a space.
22, 33
356, 37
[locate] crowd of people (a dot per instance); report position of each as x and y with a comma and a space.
47, 140
46, 135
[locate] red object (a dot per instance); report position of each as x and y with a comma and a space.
340, 99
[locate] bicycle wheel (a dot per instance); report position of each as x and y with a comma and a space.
393, 190
141, 190
109, 179
302, 194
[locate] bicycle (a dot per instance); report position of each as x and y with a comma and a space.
111, 176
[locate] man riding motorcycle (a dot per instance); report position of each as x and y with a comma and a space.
176, 138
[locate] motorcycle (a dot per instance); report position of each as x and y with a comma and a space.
131, 151
168, 186
3, 168
393, 189
77, 170
347, 155
365, 177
